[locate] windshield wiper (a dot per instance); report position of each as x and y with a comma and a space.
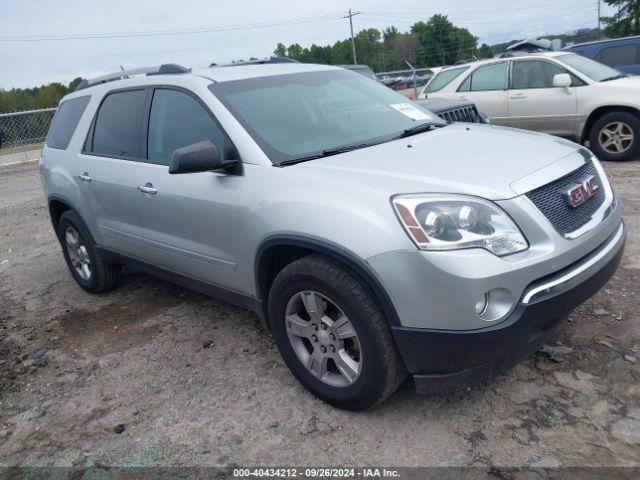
423, 127
326, 153
615, 77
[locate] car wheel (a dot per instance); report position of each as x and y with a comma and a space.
616, 137
332, 334
86, 264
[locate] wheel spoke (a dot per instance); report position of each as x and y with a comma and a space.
298, 327
313, 305
343, 328
317, 363
348, 367
71, 238
86, 270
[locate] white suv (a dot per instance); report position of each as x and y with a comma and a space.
553, 92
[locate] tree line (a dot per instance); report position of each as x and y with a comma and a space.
46, 96
427, 44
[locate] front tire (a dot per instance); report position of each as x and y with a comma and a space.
332, 335
616, 137
85, 263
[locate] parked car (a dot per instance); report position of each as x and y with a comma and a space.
373, 239
453, 110
362, 70
620, 53
560, 93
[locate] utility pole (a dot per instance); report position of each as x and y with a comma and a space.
350, 16
599, 30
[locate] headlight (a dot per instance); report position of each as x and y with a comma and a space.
453, 222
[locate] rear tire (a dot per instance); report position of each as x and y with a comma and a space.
85, 262
346, 310
616, 137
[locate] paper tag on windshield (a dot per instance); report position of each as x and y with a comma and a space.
410, 111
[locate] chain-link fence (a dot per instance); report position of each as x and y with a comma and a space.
23, 133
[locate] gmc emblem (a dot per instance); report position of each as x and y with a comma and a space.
579, 193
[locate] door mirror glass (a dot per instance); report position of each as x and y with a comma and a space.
198, 157
562, 80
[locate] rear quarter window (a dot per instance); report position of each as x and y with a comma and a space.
65, 122
444, 78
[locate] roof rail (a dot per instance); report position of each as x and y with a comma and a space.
165, 69
258, 62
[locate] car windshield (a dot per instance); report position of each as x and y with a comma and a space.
594, 70
304, 115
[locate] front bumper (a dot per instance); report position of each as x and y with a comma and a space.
446, 360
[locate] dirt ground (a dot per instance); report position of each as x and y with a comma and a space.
187, 380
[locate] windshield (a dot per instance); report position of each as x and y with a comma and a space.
444, 78
300, 115
594, 70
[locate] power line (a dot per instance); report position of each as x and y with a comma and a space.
382, 18
156, 33
472, 12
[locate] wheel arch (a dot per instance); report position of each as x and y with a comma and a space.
603, 110
57, 206
277, 252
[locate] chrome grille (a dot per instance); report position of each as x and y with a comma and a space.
463, 114
550, 200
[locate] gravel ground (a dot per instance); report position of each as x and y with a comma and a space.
153, 374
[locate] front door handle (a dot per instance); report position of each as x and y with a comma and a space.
518, 97
85, 177
148, 188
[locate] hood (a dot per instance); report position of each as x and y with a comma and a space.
482, 160
630, 82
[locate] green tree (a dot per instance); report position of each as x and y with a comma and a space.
485, 51
280, 51
626, 21
432, 43
442, 43
19, 99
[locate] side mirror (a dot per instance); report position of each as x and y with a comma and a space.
198, 157
562, 80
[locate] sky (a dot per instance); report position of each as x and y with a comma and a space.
43, 41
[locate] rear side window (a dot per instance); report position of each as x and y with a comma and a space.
444, 78
177, 120
487, 78
65, 122
117, 125
618, 56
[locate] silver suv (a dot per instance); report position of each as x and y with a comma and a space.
372, 239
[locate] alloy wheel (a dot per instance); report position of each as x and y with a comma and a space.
616, 137
78, 253
323, 338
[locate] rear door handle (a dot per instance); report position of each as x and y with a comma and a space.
85, 177
148, 188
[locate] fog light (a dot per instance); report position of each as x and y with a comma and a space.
482, 303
